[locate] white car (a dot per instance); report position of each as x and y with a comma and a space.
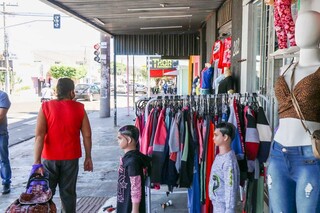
121, 88
140, 88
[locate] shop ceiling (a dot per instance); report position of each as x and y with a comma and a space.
121, 18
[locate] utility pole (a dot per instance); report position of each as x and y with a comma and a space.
6, 48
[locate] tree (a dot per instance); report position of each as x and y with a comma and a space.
121, 68
69, 72
144, 72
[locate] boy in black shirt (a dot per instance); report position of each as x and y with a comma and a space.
131, 193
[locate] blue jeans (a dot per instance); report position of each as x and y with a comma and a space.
293, 180
4, 159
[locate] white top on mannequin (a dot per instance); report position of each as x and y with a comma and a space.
307, 35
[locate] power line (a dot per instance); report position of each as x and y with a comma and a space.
31, 14
14, 25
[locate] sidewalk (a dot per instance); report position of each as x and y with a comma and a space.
99, 188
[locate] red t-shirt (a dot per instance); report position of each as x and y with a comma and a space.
64, 120
217, 53
226, 62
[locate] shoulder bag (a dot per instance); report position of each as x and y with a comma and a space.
315, 136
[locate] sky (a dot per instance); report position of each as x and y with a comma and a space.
31, 28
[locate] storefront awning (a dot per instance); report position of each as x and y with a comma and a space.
171, 73
158, 73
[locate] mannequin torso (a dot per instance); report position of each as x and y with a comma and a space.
291, 131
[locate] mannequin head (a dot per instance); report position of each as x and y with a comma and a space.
307, 32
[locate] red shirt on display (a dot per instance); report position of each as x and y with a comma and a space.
226, 61
217, 53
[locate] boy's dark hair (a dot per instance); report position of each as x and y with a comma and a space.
64, 86
227, 129
131, 131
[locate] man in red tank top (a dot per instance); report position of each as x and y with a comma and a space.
57, 141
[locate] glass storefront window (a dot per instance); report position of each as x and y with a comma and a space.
256, 42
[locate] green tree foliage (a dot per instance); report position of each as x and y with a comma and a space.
81, 72
144, 72
69, 72
2, 77
121, 68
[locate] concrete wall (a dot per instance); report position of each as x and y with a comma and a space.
211, 36
236, 35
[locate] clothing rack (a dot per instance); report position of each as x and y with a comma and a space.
191, 99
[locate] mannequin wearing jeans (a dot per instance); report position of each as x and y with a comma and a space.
293, 172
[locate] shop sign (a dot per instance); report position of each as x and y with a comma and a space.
158, 63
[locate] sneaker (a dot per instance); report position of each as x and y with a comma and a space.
292, 49
278, 52
6, 189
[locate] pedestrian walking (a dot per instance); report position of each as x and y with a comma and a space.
4, 142
57, 141
47, 93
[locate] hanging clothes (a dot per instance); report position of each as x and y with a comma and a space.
147, 131
209, 162
265, 135
186, 170
158, 148
180, 141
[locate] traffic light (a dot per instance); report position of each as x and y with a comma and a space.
56, 21
96, 52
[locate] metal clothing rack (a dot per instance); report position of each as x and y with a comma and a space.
189, 98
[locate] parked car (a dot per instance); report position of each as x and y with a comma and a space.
140, 88
121, 88
97, 83
88, 92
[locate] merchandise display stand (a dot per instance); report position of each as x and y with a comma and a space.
191, 99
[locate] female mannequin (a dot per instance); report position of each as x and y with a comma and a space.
293, 172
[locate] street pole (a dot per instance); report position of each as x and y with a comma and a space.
5, 51
128, 90
133, 83
105, 76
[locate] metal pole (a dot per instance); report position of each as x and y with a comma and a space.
6, 48
133, 83
148, 70
128, 110
105, 76
5, 51
115, 87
